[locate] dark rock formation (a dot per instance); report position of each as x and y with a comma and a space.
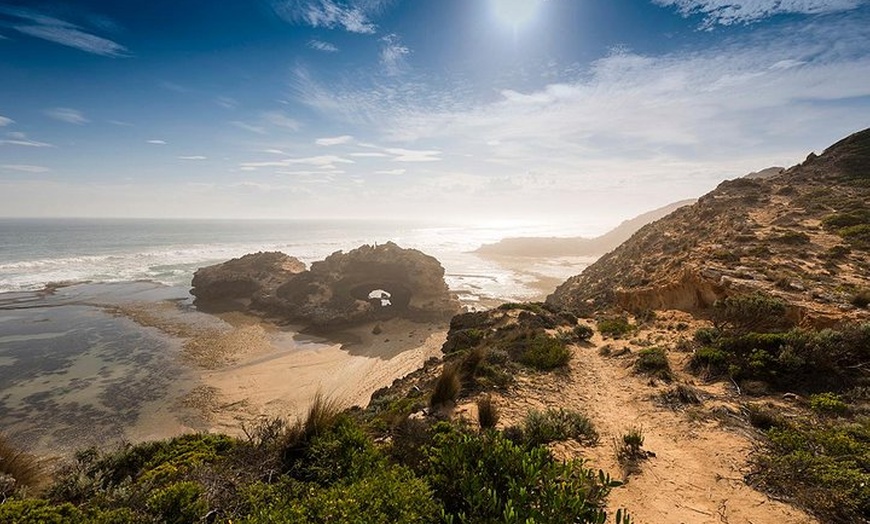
238, 282
367, 283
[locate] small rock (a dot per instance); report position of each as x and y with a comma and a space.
790, 396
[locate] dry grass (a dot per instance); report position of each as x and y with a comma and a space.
24, 470
487, 412
446, 387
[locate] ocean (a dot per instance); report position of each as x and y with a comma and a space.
75, 372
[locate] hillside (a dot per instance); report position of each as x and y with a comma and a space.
801, 235
576, 246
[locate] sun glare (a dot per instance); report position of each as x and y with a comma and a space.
514, 12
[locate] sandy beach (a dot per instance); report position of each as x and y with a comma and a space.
249, 368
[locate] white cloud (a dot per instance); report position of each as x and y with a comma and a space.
351, 15
20, 139
260, 130
193, 157
157, 142
320, 45
333, 141
279, 119
728, 12
413, 155
370, 155
121, 123
61, 32
325, 162
393, 54
25, 168
4, 121
68, 115
392, 172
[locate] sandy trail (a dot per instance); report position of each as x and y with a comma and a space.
697, 473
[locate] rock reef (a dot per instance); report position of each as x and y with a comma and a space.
368, 283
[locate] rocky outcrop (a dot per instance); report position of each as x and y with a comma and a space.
801, 234
367, 283
241, 281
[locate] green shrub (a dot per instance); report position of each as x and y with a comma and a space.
38, 511
553, 425
341, 453
653, 362
487, 478
629, 450
710, 360
856, 235
582, 333
840, 220
544, 352
824, 467
828, 404
487, 412
707, 336
753, 312
614, 327
446, 387
178, 503
861, 298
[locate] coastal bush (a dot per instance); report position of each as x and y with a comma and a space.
861, 298
654, 362
343, 452
828, 403
629, 450
487, 412
582, 333
38, 511
447, 387
858, 236
542, 351
752, 312
614, 327
485, 477
823, 466
797, 359
554, 425
24, 470
681, 395
178, 503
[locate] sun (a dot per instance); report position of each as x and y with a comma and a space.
514, 12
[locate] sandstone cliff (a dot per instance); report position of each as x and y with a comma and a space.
802, 234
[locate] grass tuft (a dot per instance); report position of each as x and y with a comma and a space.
447, 387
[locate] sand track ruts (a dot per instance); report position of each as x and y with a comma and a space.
697, 473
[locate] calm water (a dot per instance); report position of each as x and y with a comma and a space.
72, 374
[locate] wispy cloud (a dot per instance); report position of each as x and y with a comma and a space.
392, 172
226, 102
25, 168
5, 121
393, 54
38, 25
325, 162
193, 157
413, 155
17, 138
157, 142
765, 98
260, 130
320, 45
333, 141
352, 16
279, 119
121, 123
370, 155
68, 115
728, 12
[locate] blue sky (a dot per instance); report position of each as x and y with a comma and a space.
582, 111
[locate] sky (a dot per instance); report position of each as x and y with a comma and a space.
550, 111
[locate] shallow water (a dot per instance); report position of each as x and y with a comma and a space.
73, 375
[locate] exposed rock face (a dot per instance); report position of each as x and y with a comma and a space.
367, 283
802, 235
244, 279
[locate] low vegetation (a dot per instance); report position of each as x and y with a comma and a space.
653, 362
19, 471
630, 452
555, 425
615, 327
325, 468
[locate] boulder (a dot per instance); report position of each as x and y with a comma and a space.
243, 280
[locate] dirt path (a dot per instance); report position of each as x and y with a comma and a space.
696, 475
